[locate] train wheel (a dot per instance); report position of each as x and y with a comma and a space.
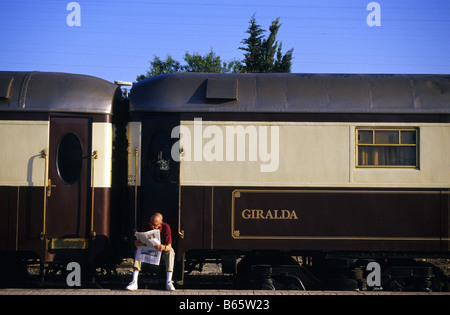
273, 272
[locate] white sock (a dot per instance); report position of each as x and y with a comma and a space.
135, 275
169, 276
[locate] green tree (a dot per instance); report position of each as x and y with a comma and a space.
195, 62
264, 54
208, 63
260, 55
252, 60
158, 66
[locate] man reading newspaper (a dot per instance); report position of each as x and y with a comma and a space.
165, 247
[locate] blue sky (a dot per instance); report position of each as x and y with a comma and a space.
116, 39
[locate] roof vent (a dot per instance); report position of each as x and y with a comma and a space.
224, 89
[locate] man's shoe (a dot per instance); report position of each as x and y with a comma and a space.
132, 286
169, 286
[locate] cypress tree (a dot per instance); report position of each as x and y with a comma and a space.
264, 55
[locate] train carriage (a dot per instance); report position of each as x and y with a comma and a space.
55, 179
293, 164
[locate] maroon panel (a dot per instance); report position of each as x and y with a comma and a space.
335, 214
312, 219
31, 211
445, 215
8, 218
102, 211
192, 219
30, 224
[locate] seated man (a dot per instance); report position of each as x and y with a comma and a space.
167, 252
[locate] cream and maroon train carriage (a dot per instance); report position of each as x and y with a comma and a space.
55, 175
291, 164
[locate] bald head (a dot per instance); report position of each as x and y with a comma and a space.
156, 220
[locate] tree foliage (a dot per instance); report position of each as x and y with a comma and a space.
158, 66
208, 63
195, 62
261, 55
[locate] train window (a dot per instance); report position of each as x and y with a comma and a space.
365, 137
386, 136
382, 147
69, 158
408, 137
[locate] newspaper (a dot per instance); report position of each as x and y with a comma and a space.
149, 238
147, 253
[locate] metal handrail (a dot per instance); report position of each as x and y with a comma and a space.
44, 155
94, 157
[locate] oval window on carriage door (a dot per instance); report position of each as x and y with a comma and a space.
69, 158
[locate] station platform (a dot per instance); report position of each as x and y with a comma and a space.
100, 291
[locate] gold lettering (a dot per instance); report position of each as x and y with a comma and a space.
258, 214
293, 215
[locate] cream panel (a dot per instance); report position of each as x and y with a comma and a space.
311, 155
314, 155
134, 135
102, 142
435, 155
308, 155
21, 143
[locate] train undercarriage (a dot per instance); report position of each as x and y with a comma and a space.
282, 271
261, 271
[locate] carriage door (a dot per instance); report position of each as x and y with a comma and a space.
159, 171
68, 171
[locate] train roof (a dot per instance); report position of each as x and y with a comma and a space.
55, 92
293, 93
